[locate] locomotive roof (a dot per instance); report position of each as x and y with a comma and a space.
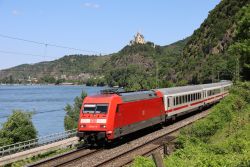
133, 96
192, 88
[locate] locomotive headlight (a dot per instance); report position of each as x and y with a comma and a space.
102, 126
83, 126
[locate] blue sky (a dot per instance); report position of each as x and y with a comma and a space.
103, 26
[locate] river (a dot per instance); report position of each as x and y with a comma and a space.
46, 101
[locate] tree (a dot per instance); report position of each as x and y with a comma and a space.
241, 48
48, 79
72, 112
18, 128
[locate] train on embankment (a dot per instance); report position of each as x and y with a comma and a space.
111, 115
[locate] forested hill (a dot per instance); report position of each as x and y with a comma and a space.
143, 66
218, 50
70, 68
206, 56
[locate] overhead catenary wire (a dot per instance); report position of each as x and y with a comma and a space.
48, 44
21, 53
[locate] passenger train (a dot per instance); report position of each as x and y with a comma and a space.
113, 114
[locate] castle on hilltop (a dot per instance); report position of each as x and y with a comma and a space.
138, 39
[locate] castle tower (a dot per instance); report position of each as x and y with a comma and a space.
138, 39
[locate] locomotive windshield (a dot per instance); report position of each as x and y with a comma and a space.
95, 108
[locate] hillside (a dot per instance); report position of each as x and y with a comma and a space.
72, 67
205, 56
209, 55
142, 66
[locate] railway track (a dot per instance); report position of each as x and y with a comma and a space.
144, 150
64, 159
125, 153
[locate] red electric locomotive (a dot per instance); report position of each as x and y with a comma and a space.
112, 115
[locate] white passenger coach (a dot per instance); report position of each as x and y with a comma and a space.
180, 100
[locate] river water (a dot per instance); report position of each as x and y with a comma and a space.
46, 101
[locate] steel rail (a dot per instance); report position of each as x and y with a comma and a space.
64, 158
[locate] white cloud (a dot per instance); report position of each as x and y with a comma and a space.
15, 12
91, 5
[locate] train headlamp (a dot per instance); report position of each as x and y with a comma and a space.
102, 126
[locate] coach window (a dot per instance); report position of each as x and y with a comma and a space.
168, 102
174, 101
189, 98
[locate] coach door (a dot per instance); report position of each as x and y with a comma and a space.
168, 103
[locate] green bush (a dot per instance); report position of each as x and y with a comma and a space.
72, 112
18, 128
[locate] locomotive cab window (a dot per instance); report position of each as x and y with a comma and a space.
95, 108
101, 109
